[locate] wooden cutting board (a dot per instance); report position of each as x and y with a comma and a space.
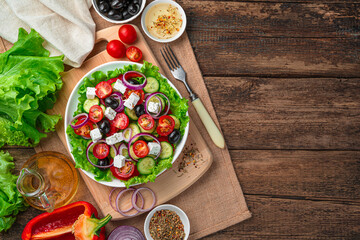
173, 181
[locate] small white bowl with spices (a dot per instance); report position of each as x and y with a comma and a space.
163, 21
167, 219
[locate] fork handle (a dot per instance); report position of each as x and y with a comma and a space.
209, 124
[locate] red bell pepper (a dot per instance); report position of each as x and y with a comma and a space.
76, 221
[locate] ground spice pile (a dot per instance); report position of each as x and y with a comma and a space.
165, 225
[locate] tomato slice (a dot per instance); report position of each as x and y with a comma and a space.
112, 80
141, 149
103, 89
134, 54
96, 113
84, 130
140, 93
166, 125
113, 129
121, 121
101, 150
126, 172
146, 121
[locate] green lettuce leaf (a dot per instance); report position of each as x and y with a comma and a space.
29, 80
11, 201
178, 106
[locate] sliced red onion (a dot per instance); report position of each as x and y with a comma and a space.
139, 135
167, 109
146, 95
102, 102
88, 158
130, 74
81, 124
146, 107
118, 96
133, 199
123, 212
121, 147
126, 233
127, 139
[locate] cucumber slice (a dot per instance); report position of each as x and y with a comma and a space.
166, 150
152, 85
89, 103
125, 153
131, 114
103, 108
177, 122
112, 152
155, 100
146, 165
132, 154
152, 131
135, 130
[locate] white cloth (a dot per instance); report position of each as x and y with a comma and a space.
66, 25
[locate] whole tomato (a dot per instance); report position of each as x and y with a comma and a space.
127, 34
116, 49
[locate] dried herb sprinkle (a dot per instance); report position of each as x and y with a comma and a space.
165, 225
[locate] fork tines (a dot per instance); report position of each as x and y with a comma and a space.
170, 57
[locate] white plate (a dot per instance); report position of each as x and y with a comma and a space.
72, 106
184, 219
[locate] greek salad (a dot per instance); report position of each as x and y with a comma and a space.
127, 124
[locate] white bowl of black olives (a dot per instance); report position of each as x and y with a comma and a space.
119, 11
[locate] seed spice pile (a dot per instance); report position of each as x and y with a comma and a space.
191, 157
166, 225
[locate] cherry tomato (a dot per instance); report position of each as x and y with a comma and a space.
146, 122
134, 54
116, 49
96, 113
112, 80
166, 125
84, 130
121, 121
140, 93
126, 172
101, 150
141, 149
103, 89
113, 129
127, 34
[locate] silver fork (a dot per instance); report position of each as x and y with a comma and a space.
179, 74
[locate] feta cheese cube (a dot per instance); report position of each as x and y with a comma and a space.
119, 137
154, 148
95, 134
153, 107
119, 86
119, 161
132, 101
110, 113
111, 140
90, 93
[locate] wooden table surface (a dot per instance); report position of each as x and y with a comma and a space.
284, 78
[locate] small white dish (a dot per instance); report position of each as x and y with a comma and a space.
184, 219
183, 16
143, 2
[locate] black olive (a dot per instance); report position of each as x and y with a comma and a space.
103, 7
111, 102
115, 15
126, 15
133, 81
174, 136
117, 4
137, 1
133, 9
104, 126
139, 110
103, 162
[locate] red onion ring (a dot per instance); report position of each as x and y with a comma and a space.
121, 147
118, 96
129, 75
133, 199
146, 107
88, 158
158, 115
126, 233
127, 139
81, 124
139, 135
123, 212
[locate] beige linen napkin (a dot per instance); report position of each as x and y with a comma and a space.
66, 25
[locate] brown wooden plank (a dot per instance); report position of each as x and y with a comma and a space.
280, 113
294, 219
312, 175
